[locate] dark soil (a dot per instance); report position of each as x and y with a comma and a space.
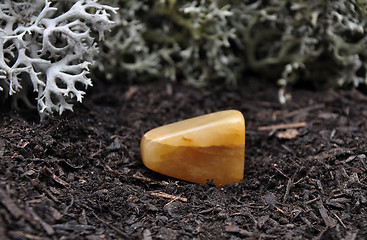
80, 175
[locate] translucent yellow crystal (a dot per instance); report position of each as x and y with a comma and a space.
208, 147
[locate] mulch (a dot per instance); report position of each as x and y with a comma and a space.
80, 175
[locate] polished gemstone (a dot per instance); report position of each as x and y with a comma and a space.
208, 147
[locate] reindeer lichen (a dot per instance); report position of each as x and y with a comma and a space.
49, 50
323, 42
49, 47
185, 40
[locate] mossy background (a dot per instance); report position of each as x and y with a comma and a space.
322, 43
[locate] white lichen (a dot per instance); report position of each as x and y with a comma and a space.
322, 43
188, 41
49, 49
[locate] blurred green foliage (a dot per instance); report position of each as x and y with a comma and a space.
200, 41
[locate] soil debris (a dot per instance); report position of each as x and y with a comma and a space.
80, 175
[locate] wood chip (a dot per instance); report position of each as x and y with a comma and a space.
282, 126
49, 173
169, 89
2, 146
23, 235
73, 227
48, 229
169, 196
236, 229
72, 165
328, 116
147, 235
288, 134
245, 233
123, 234
10, 204
330, 222
130, 92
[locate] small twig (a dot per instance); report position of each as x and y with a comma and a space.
290, 183
282, 126
258, 206
287, 189
278, 170
295, 183
236, 214
73, 227
312, 200
206, 210
341, 222
111, 226
303, 110
14, 155
169, 196
281, 211
128, 153
66, 210
237, 200
24, 144
287, 148
140, 176
48, 193
319, 185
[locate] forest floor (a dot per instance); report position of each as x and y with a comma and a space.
80, 175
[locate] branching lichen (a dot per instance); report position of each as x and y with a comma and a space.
186, 40
319, 41
49, 49
203, 40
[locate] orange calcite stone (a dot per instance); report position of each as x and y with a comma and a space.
208, 147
